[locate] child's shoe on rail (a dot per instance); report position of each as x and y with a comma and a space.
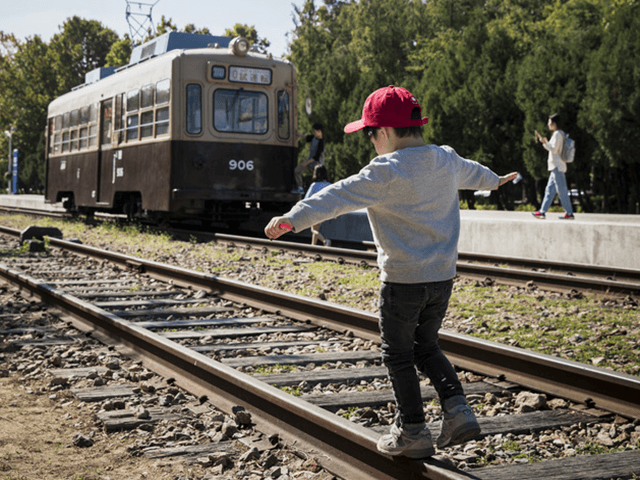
410, 440
459, 424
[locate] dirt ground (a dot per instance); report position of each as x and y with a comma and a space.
36, 441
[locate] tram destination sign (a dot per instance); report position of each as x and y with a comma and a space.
261, 76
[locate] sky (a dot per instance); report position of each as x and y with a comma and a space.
272, 18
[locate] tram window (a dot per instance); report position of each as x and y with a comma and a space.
58, 123
119, 118
93, 113
84, 115
65, 142
57, 140
74, 118
132, 127
133, 100
93, 130
194, 108
162, 121
163, 91
218, 72
240, 111
146, 124
107, 118
73, 143
146, 99
283, 114
50, 132
83, 137
65, 120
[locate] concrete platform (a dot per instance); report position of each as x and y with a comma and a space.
592, 239
29, 201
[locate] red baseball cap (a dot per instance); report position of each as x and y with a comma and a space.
388, 107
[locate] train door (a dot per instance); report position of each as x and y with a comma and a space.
105, 150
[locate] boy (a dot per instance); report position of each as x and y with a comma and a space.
410, 191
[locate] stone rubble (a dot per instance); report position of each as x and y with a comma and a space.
33, 364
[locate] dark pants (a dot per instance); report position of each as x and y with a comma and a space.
410, 317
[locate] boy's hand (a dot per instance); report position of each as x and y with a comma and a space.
274, 229
508, 177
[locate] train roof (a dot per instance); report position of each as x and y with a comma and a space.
159, 46
175, 41
104, 78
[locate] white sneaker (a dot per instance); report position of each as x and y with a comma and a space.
458, 426
408, 442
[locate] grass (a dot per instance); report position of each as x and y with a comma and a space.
589, 330
581, 329
269, 369
351, 411
295, 391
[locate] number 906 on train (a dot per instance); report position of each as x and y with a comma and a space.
195, 126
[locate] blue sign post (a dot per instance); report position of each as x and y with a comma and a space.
14, 183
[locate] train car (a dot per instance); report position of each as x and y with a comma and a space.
195, 126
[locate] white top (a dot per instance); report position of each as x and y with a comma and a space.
554, 145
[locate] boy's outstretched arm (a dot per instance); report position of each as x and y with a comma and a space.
276, 227
508, 177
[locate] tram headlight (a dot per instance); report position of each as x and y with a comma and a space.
240, 46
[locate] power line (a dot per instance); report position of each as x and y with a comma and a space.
140, 23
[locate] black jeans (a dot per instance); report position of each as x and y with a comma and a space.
410, 317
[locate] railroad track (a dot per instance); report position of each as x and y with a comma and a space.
488, 269
238, 344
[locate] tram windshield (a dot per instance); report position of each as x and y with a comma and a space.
240, 111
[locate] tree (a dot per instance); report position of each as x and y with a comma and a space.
250, 33
27, 82
33, 74
610, 109
120, 53
343, 51
552, 79
82, 46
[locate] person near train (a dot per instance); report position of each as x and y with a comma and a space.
316, 156
410, 192
319, 180
557, 168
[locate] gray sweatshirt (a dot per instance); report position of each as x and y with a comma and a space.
411, 198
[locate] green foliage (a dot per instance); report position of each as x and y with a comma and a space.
610, 108
486, 72
343, 51
27, 85
80, 47
120, 53
250, 33
296, 391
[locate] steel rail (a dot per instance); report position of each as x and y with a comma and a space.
347, 449
607, 280
615, 273
514, 276
613, 391
33, 211
582, 383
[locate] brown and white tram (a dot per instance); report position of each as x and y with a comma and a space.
195, 126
